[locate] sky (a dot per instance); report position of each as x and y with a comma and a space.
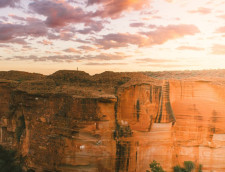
94, 36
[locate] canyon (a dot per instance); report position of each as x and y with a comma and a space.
71, 121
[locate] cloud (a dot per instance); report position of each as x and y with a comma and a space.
46, 42
10, 3
169, 1
222, 16
106, 56
159, 36
13, 32
55, 58
4, 18
71, 58
201, 10
218, 49
104, 64
190, 48
166, 66
165, 33
71, 50
121, 40
221, 30
114, 8
144, 60
4, 46
138, 24
87, 48
93, 27
17, 17
59, 13
27, 19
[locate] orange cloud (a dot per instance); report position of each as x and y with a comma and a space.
222, 16
46, 42
218, 49
71, 50
221, 30
190, 48
113, 9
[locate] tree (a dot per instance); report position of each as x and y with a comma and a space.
155, 167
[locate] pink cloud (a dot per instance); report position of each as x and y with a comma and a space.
93, 27
201, 10
138, 24
10, 3
221, 30
10, 32
160, 35
121, 40
17, 17
27, 19
59, 13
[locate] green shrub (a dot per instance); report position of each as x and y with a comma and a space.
8, 161
155, 167
200, 168
189, 165
178, 169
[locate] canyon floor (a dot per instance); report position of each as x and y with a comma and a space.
70, 121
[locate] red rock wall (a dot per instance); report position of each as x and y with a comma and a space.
92, 134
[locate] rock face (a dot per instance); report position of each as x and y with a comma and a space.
121, 121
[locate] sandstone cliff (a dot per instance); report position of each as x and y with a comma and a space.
71, 121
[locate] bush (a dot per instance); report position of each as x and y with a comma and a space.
155, 167
178, 169
8, 161
200, 168
189, 165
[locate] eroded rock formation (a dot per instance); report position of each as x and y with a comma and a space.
117, 122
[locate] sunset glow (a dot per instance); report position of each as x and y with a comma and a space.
98, 35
